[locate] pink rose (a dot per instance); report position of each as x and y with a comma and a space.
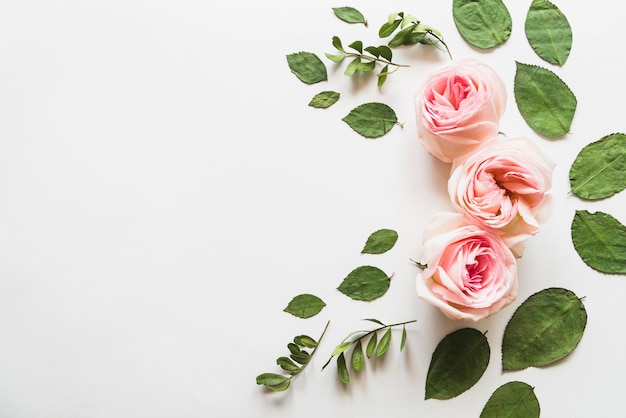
503, 186
459, 108
470, 272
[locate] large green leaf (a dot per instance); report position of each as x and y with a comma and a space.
305, 305
371, 120
482, 23
380, 241
365, 283
548, 32
307, 66
545, 328
600, 240
512, 400
599, 170
544, 100
458, 362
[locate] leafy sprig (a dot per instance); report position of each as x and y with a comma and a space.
374, 347
412, 31
299, 358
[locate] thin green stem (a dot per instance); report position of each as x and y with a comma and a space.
375, 59
319, 340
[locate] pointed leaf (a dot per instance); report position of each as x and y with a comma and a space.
366, 67
380, 241
545, 328
337, 43
307, 66
372, 120
544, 100
399, 37
376, 321
599, 170
349, 15
276, 382
512, 400
342, 369
324, 99
482, 23
403, 341
371, 345
357, 46
358, 358
352, 67
382, 76
548, 32
384, 343
385, 52
600, 240
341, 348
287, 364
373, 50
458, 362
389, 27
365, 283
305, 306
335, 57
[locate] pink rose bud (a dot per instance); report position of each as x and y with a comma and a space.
458, 108
470, 272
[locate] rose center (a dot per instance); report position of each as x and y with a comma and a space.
473, 275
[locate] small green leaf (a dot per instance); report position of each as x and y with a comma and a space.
337, 43
385, 52
358, 359
324, 99
545, 328
384, 343
544, 100
458, 362
380, 241
335, 57
287, 364
372, 120
599, 170
371, 345
600, 240
512, 400
388, 28
307, 66
482, 23
366, 67
305, 306
342, 369
305, 341
365, 283
357, 46
353, 67
373, 50
302, 358
276, 382
548, 32
399, 37
341, 348
349, 15
403, 342
376, 321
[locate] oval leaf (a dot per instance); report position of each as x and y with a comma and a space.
276, 382
305, 306
403, 341
384, 343
324, 99
307, 66
365, 283
599, 170
548, 32
544, 100
380, 241
545, 328
349, 15
482, 23
459, 360
371, 345
512, 400
342, 369
371, 120
600, 240
358, 358
287, 364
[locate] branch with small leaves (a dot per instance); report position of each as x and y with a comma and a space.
411, 32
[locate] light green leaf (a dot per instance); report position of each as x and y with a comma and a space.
305, 306
399, 37
305, 341
380, 241
512, 400
324, 99
371, 345
335, 57
365, 283
382, 76
544, 100
384, 343
482, 23
388, 27
352, 67
307, 67
350, 15
366, 67
358, 358
372, 120
458, 362
276, 382
342, 369
599, 170
600, 240
545, 328
548, 32
341, 348
287, 364
337, 43
403, 342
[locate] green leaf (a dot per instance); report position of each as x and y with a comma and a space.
371, 345
376, 321
353, 66
287, 364
305, 341
372, 120
399, 37
358, 359
305, 306
349, 15
482, 23
599, 170
307, 66
365, 283
388, 28
545, 328
403, 342
512, 400
385, 52
357, 46
342, 369
366, 67
600, 240
337, 44
341, 347
544, 100
335, 57
276, 382
380, 241
548, 32
384, 343
458, 362
324, 99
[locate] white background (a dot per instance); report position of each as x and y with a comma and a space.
165, 190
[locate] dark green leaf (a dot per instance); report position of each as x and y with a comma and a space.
305, 341
548, 32
482, 23
384, 343
307, 67
458, 362
274, 381
382, 76
372, 120
358, 359
293, 348
373, 50
365, 283
544, 100
357, 46
324, 99
287, 364
399, 37
512, 400
600, 240
403, 342
376, 321
371, 345
388, 28
599, 170
302, 358
380, 241
545, 328
342, 369
385, 52
349, 15
305, 306
337, 44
